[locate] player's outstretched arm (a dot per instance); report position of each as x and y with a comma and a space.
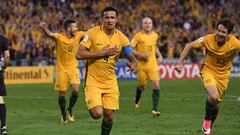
43, 26
84, 53
140, 56
184, 54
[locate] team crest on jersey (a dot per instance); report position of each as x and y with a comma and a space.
200, 39
99, 44
230, 53
85, 39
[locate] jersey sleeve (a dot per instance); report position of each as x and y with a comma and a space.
87, 40
81, 35
200, 42
236, 43
125, 41
134, 41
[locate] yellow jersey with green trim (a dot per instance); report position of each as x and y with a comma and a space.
146, 43
218, 59
66, 49
101, 72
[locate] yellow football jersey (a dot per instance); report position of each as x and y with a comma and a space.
144, 43
66, 49
101, 72
218, 59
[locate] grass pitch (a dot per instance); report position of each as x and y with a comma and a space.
33, 110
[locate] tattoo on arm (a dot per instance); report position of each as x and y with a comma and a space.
131, 57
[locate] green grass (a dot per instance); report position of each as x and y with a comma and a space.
33, 110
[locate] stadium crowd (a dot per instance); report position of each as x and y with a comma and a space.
177, 22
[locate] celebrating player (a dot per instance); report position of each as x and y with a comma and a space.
216, 68
146, 50
102, 46
67, 43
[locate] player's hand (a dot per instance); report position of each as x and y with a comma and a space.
179, 67
159, 60
42, 25
132, 66
106, 51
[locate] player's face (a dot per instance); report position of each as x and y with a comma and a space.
222, 33
147, 24
73, 28
109, 19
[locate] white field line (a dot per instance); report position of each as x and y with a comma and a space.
175, 98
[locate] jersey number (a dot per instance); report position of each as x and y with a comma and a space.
220, 60
150, 48
69, 49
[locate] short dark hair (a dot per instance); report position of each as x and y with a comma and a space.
106, 9
67, 23
227, 24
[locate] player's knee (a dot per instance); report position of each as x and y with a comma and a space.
96, 114
141, 87
75, 88
61, 94
75, 93
213, 95
155, 84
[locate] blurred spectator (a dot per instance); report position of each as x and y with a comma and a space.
178, 22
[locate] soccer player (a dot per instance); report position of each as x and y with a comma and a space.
146, 50
101, 47
4, 53
216, 68
67, 43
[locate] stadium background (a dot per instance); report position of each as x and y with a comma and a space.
32, 107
